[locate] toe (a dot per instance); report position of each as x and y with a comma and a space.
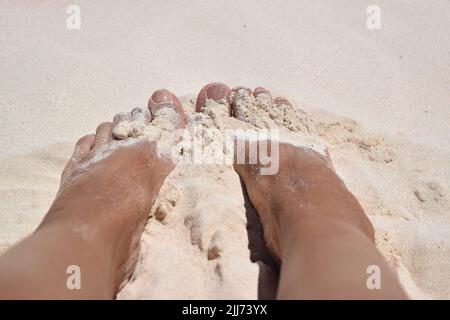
122, 126
240, 99
242, 89
121, 117
162, 99
82, 148
282, 101
141, 115
103, 134
263, 95
139, 119
215, 91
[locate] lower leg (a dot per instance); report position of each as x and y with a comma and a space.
96, 220
312, 224
326, 240
324, 258
95, 223
318, 231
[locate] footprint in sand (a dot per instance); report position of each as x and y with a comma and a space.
430, 193
346, 132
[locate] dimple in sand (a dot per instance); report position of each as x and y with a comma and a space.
111, 183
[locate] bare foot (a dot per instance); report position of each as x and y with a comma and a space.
108, 187
303, 173
286, 196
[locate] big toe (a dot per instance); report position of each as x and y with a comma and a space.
163, 101
216, 91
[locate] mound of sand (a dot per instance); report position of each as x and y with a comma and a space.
203, 226
383, 100
203, 239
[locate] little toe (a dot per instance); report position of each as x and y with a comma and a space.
163, 100
82, 148
282, 101
216, 91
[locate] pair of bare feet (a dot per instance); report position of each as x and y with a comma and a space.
98, 217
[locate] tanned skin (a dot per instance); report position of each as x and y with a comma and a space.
314, 227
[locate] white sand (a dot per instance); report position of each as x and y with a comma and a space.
380, 99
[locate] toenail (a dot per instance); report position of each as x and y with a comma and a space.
121, 117
162, 97
104, 126
245, 89
89, 138
136, 111
259, 90
282, 101
217, 92
139, 113
264, 95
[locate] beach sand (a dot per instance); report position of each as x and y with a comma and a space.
378, 98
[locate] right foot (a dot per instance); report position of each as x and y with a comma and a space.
284, 198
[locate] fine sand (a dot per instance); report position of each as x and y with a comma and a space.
379, 101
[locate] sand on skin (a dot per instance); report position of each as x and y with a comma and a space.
380, 101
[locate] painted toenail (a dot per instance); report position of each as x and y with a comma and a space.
263, 95
242, 89
282, 101
259, 90
217, 92
161, 97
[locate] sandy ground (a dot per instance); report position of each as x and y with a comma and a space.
379, 98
